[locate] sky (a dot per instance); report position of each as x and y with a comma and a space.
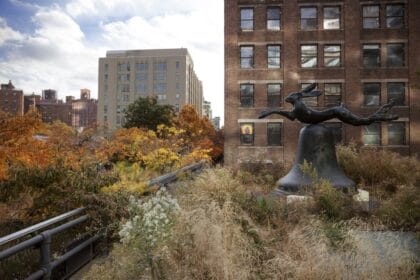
57, 44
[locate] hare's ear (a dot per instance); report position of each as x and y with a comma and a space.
309, 88
314, 93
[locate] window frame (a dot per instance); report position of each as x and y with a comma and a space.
366, 94
279, 141
378, 17
275, 20
379, 134
308, 19
403, 133
272, 93
326, 18
271, 66
302, 55
365, 55
332, 56
396, 99
242, 135
246, 20
389, 58
243, 98
332, 95
395, 16
243, 58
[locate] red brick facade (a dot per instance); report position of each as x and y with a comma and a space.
390, 29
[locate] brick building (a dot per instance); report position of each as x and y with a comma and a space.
84, 110
11, 99
361, 53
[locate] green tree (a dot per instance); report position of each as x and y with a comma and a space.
147, 113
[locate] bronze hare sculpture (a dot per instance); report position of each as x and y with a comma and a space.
310, 116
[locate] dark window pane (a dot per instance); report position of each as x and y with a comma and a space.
394, 16
371, 55
396, 133
274, 134
332, 95
371, 16
396, 92
308, 18
247, 133
372, 134
247, 57
273, 18
273, 56
372, 93
273, 95
331, 18
395, 55
247, 19
247, 95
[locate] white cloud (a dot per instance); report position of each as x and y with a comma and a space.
59, 55
7, 33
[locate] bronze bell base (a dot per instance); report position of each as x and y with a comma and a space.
316, 146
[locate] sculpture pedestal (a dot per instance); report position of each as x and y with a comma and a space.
316, 146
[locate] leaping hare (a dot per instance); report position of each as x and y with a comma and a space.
310, 116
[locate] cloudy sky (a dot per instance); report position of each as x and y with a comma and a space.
56, 44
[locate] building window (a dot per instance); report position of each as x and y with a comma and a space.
106, 67
396, 133
160, 66
337, 131
372, 94
395, 56
332, 94
247, 57
161, 96
273, 95
160, 88
142, 76
159, 76
371, 16
332, 17
396, 92
273, 18
308, 18
123, 67
105, 109
247, 133
126, 98
309, 101
144, 66
177, 65
141, 88
274, 134
106, 77
273, 56
395, 16
371, 55
124, 77
247, 19
123, 88
308, 56
372, 134
247, 95
332, 55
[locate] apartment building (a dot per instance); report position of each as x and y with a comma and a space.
84, 110
11, 99
360, 53
124, 76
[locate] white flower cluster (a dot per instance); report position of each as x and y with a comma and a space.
151, 219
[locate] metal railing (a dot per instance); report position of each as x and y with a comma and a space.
43, 241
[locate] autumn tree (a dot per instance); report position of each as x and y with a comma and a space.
147, 113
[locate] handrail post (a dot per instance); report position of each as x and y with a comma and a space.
45, 249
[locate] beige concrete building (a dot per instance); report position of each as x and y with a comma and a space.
360, 52
124, 76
